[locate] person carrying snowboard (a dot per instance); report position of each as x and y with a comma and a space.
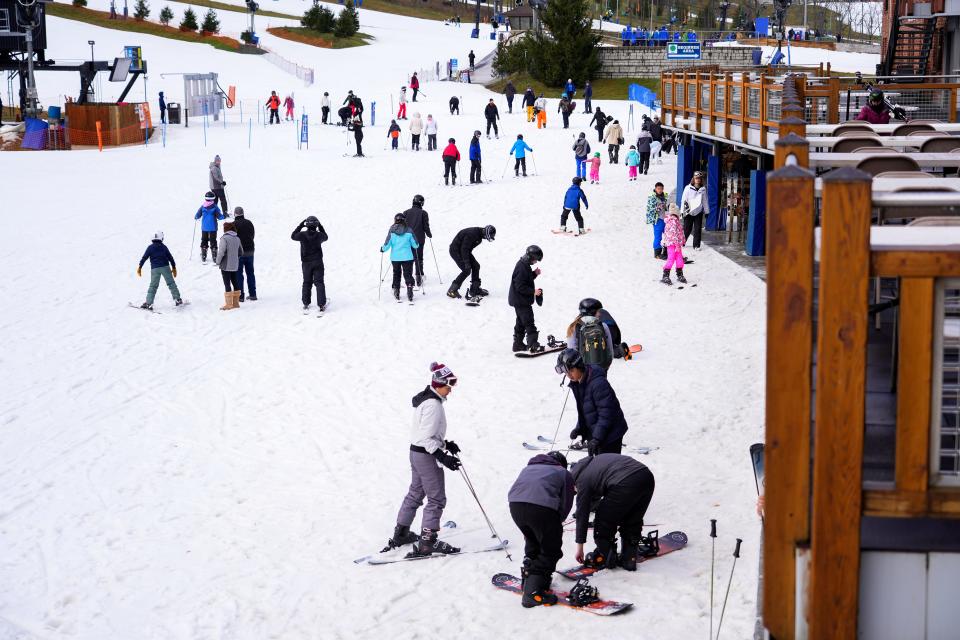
571, 202
402, 111
451, 156
529, 102
657, 206
229, 262
540, 500
217, 184
581, 151
428, 450
461, 250
600, 420
208, 214
519, 151
492, 114
475, 167
401, 243
288, 105
674, 240
246, 233
162, 265
311, 260
273, 104
393, 132
523, 293
419, 222
621, 488
454, 105
430, 128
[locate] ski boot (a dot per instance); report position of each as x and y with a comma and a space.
213, 254
429, 544
401, 536
536, 592
203, 254
518, 345
656, 253
306, 307
563, 228
396, 294
410, 293
680, 277
147, 306
321, 308
666, 277
178, 302
446, 181
580, 231
242, 297
453, 293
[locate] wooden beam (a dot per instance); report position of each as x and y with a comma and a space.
937, 503
916, 264
794, 145
790, 245
914, 383
841, 383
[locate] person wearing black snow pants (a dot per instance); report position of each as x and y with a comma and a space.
523, 293
623, 487
357, 124
419, 222
461, 250
311, 259
492, 114
540, 500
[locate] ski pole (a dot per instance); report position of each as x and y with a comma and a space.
505, 165
535, 172
713, 544
382, 276
466, 478
557, 431
193, 238
437, 264
736, 554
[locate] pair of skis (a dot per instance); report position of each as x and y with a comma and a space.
545, 441
386, 557
159, 313
320, 311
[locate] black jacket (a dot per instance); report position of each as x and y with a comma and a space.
522, 288
599, 416
465, 242
529, 98
600, 118
655, 132
510, 90
310, 241
454, 101
491, 111
594, 477
245, 232
419, 223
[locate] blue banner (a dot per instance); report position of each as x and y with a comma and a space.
304, 132
683, 51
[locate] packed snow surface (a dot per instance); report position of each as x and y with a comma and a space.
207, 474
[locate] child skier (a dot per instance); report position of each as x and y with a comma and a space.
394, 134
311, 260
541, 109
288, 104
519, 150
161, 264
595, 168
209, 212
673, 239
401, 243
633, 161
571, 202
451, 156
402, 112
273, 105
656, 212
475, 166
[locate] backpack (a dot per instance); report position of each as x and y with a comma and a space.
592, 342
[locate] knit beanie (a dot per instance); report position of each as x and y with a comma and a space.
442, 376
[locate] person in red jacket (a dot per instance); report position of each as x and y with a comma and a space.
288, 104
273, 104
875, 111
451, 156
415, 85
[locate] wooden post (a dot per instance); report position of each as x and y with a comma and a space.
790, 217
712, 105
952, 113
833, 102
727, 79
762, 95
840, 386
793, 125
744, 106
791, 144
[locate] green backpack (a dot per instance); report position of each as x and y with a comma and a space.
593, 342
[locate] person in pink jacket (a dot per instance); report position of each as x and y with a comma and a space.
288, 103
595, 169
875, 111
673, 241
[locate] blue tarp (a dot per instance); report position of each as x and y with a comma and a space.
642, 95
35, 134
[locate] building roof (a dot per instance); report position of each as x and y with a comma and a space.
523, 11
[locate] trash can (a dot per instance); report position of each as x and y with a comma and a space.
173, 113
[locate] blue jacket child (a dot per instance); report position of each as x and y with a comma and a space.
208, 214
475, 149
573, 196
520, 148
401, 243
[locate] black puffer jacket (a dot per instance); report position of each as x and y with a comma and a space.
523, 290
419, 223
599, 416
310, 241
463, 244
245, 232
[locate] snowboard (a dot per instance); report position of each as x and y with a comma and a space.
561, 232
673, 541
511, 583
553, 345
474, 301
136, 306
446, 526
496, 547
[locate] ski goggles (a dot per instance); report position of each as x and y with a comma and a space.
445, 377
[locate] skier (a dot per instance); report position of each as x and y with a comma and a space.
509, 91
454, 105
581, 151
471, 57
595, 168
419, 222
601, 121
673, 239
356, 122
245, 232
492, 114
325, 107
621, 488
656, 215
461, 250
402, 112
430, 128
228, 259
694, 202
529, 101
428, 450
587, 97
540, 500
571, 202
614, 138
163, 109
217, 184
288, 105
633, 162
600, 420
541, 109
415, 85
519, 150
210, 213
523, 293
644, 141
311, 260
475, 166
161, 264
416, 128
401, 243
393, 132
451, 156
273, 104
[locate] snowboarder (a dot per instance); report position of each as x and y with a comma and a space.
415, 85
356, 123
416, 128
245, 232
644, 140
541, 109
419, 222
475, 166
621, 488
461, 250
471, 57
324, 107
492, 114
430, 128
401, 243
529, 101
587, 97
633, 162
581, 151
402, 111
523, 293
600, 420
163, 265
228, 259
451, 156
519, 151
311, 260
694, 204
599, 121
454, 105
393, 132
571, 202
673, 239
428, 450
656, 215
595, 168
210, 213
288, 105
217, 184
273, 104
509, 91
614, 138
540, 500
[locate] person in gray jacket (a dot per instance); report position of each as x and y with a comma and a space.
428, 450
228, 259
217, 184
621, 489
540, 500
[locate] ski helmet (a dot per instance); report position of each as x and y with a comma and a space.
158, 236
400, 218
312, 221
590, 306
418, 200
209, 196
568, 359
559, 457
577, 180
876, 96
534, 253
451, 141
477, 133
490, 232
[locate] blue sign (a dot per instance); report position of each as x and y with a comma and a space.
683, 51
304, 132
453, 64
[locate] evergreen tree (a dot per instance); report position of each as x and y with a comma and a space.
79, 3
319, 19
141, 10
348, 22
566, 46
166, 15
189, 22
210, 22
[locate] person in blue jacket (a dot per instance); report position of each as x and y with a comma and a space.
519, 151
600, 420
475, 168
571, 202
401, 243
208, 214
161, 264
570, 88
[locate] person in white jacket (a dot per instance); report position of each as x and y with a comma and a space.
325, 107
693, 205
430, 128
428, 450
416, 128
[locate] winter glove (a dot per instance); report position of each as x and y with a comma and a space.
539, 299
593, 447
139, 272
223, 184
174, 270
575, 433
452, 447
450, 462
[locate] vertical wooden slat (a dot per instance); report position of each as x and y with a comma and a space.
744, 106
839, 409
833, 100
788, 380
914, 383
727, 78
763, 110
952, 113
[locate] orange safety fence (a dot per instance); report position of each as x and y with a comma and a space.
101, 136
231, 96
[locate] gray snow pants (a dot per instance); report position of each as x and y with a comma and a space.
426, 481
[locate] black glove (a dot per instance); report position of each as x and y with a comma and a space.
452, 447
223, 184
539, 300
575, 433
450, 462
593, 447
